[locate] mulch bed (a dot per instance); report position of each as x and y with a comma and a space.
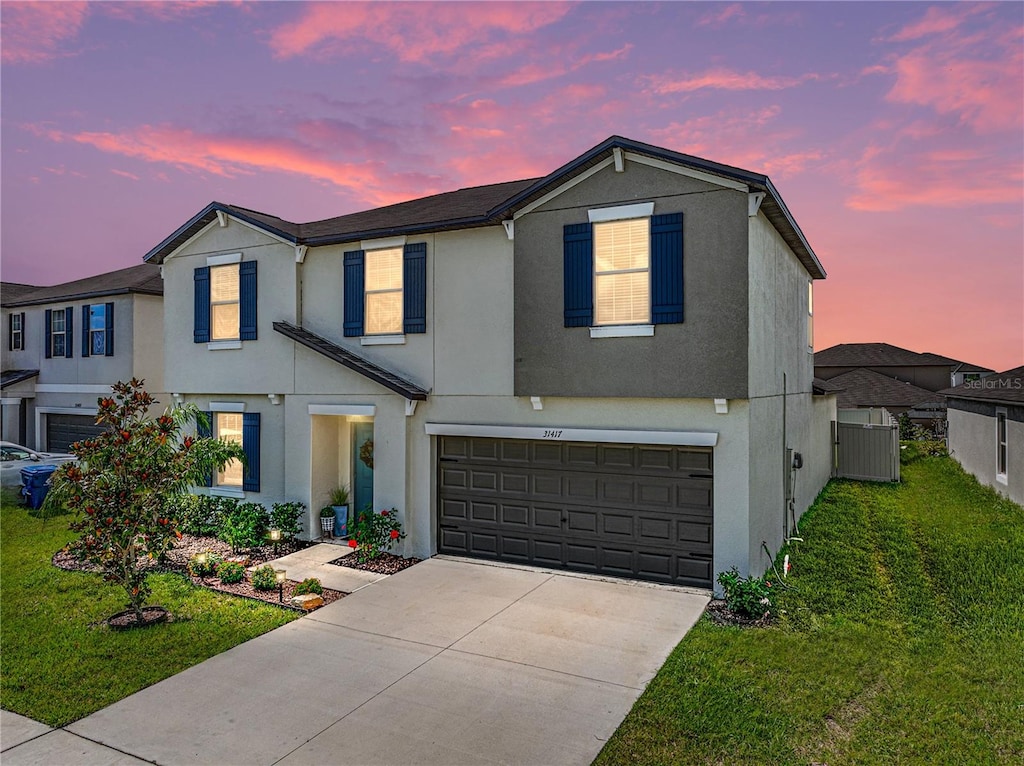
720, 614
385, 563
245, 589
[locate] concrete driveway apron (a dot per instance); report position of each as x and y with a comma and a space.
447, 662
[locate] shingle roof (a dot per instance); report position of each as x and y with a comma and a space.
353, 361
144, 278
12, 291
1002, 387
10, 377
884, 355
485, 206
867, 388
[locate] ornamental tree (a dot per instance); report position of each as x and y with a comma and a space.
122, 485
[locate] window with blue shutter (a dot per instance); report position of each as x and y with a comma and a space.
667, 268
251, 447
201, 316
48, 334
578, 271
414, 286
247, 300
204, 430
85, 330
69, 321
353, 295
108, 330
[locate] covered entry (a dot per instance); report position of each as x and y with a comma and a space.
628, 510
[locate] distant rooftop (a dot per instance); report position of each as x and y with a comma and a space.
144, 278
867, 388
886, 355
1002, 387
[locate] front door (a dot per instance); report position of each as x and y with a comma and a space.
362, 482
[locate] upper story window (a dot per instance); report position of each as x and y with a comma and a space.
225, 302
58, 326
623, 271
622, 288
383, 292
16, 331
98, 329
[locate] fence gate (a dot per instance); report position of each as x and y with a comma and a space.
866, 451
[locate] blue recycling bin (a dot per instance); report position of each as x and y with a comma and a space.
34, 479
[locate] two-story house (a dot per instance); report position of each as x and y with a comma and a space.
67, 344
607, 369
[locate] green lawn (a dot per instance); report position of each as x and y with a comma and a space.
56, 665
903, 642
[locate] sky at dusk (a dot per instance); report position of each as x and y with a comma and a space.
894, 131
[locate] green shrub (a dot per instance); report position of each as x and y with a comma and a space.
375, 533
750, 596
263, 578
285, 516
230, 572
203, 565
244, 526
199, 515
309, 585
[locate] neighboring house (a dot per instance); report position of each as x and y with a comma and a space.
986, 430
879, 375
931, 372
606, 369
67, 344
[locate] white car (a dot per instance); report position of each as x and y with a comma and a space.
14, 457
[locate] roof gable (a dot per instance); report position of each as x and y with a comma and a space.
490, 204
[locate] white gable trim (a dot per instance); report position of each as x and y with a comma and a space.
202, 232
685, 171
563, 188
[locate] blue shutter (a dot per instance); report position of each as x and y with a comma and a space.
201, 319
578, 274
354, 295
10, 331
69, 332
48, 350
667, 268
247, 300
414, 287
109, 331
251, 447
85, 331
205, 431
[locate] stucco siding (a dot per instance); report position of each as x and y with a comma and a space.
262, 365
147, 341
972, 441
702, 357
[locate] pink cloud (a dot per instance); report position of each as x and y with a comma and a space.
935, 20
549, 70
723, 79
124, 174
719, 17
894, 179
411, 31
34, 32
230, 156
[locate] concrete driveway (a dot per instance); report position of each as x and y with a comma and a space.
447, 662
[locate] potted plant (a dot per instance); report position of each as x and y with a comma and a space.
327, 520
339, 502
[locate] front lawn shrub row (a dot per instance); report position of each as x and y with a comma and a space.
263, 578
230, 572
240, 525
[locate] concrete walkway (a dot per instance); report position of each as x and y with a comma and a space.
447, 662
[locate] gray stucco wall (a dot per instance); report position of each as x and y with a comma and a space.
705, 356
972, 441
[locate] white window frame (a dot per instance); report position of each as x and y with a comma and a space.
621, 329
389, 336
236, 338
216, 410
62, 333
102, 331
1002, 446
810, 316
17, 333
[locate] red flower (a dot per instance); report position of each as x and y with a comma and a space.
352, 543
383, 513
394, 534
767, 585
